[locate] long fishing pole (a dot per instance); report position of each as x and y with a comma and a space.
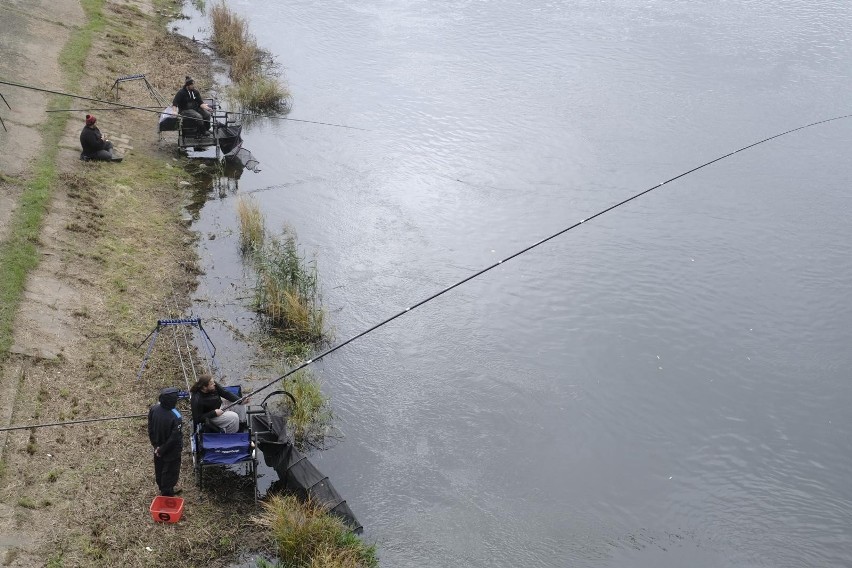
467, 279
90, 109
527, 249
82, 98
150, 109
74, 422
3, 124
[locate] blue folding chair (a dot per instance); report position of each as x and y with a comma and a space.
218, 449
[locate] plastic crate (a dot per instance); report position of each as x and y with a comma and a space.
166, 509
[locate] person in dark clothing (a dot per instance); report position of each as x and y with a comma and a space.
165, 429
206, 401
95, 145
188, 103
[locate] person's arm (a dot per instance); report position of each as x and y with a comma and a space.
198, 413
227, 395
98, 139
151, 427
174, 440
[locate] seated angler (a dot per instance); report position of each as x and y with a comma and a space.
188, 103
95, 145
206, 402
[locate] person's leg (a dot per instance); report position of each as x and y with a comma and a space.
169, 477
192, 123
104, 155
206, 116
158, 473
229, 422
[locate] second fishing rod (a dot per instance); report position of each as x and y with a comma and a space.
533, 246
122, 106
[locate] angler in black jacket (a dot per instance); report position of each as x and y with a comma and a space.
188, 103
165, 429
95, 146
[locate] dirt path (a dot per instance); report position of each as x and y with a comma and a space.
32, 32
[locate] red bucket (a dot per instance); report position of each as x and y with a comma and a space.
166, 509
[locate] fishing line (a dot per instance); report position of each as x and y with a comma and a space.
300, 120
527, 249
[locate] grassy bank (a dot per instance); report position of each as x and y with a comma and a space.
19, 253
79, 495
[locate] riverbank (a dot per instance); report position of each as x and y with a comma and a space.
108, 255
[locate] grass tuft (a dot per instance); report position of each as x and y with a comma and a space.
252, 227
256, 87
306, 536
312, 417
230, 31
287, 292
260, 93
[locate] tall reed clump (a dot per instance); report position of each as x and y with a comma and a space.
287, 291
252, 226
311, 417
307, 536
256, 86
230, 32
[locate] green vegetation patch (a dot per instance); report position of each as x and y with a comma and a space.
287, 292
310, 418
307, 536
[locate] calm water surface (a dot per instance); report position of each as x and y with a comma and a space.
668, 385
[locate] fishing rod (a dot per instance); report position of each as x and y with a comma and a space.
525, 250
90, 109
467, 279
10, 108
151, 109
81, 421
80, 97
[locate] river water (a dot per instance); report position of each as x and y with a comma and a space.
667, 385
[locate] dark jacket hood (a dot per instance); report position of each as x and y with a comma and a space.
168, 398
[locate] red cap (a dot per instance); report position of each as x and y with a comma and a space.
90, 120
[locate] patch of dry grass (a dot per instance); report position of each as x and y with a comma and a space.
255, 86
230, 31
252, 225
287, 290
307, 536
311, 417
